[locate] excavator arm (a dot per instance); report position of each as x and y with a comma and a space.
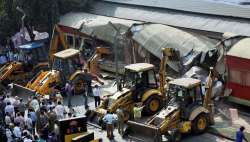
207, 102
57, 37
7, 70
167, 53
209, 86
93, 61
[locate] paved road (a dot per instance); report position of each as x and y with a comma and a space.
200, 138
78, 101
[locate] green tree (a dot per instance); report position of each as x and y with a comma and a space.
40, 14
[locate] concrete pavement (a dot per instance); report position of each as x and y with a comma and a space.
78, 101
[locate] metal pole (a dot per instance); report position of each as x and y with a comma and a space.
116, 61
23, 17
117, 33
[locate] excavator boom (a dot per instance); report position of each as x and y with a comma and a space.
8, 69
167, 53
40, 82
57, 37
93, 61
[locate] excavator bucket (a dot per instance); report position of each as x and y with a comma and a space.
142, 132
22, 92
95, 118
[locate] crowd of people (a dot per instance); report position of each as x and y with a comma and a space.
33, 121
35, 118
8, 53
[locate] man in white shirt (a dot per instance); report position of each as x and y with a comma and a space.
9, 134
28, 122
59, 109
7, 99
7, 119
9, 109
69, 90
17, 131
15, 103
35, 104
97, 94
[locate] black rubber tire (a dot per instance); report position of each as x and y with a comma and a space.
195, 128
147, 109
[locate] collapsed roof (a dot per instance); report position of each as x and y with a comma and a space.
192, 47
96, 25
152, 37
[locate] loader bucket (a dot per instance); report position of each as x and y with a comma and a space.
142, 132
22, 92
95, 118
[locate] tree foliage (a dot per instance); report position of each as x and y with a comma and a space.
40, 14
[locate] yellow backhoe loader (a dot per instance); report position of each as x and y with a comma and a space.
20, 72
31, 59
66, 67
189, 110
92, 63
63, 68
57, 39
139, 85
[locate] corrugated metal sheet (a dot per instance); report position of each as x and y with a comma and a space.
95, 25
173, 18
154, 37
197, 6
241, 49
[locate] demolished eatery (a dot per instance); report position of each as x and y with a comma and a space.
142, 42
141, 38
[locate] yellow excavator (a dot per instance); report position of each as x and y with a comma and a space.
188, 111
92, 63
66, 67
44, 82
31, 59
57, 43
20, 72
139, 85
58, 38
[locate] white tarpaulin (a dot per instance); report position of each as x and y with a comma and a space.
96, 25
154, 37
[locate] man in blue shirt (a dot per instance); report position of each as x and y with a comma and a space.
109, 119
33, 118
240, 135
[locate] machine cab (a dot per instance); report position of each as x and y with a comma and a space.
139, 75
37, 51
185, 92
67, 62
